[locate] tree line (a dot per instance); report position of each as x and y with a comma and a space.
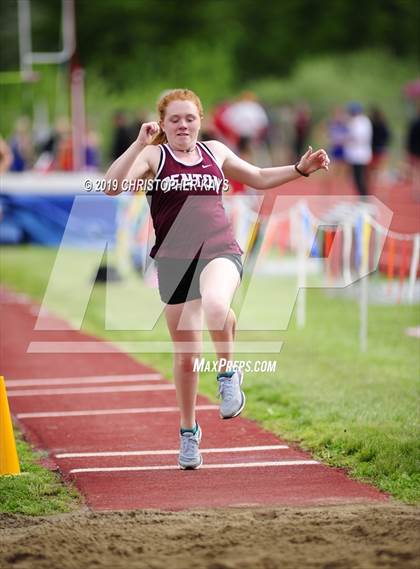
124, 40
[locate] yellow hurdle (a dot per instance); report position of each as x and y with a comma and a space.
9, 462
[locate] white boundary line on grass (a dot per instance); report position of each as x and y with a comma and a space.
92, 412
162, 452
205, 466
82, 390
120, 378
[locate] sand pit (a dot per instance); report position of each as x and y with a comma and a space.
329, 537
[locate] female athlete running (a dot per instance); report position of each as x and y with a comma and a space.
198, 259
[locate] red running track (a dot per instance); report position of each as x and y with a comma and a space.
110, 425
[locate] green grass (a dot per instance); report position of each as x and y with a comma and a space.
351, 409
36, 491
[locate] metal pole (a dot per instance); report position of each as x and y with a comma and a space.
68, 35
27, 58
78, 118
25, 42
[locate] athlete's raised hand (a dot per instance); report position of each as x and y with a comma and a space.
313, 161
147, 133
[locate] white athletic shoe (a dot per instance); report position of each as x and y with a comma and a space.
233, 398
189, 454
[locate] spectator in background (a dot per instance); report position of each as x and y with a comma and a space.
302, 128
247, 118
6, 156
337, 133
219, 126
247, 121
413, 151
48, 147
47, 152
21, 146
121, 136
64, 148
358, 146
5, 161
284, 134
92, 154
381, 137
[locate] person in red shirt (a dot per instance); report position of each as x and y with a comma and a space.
198, 259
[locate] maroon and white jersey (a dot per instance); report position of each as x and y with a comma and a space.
187, 209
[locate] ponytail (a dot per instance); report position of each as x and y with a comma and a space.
160, 138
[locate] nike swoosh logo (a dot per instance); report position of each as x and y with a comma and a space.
206, 166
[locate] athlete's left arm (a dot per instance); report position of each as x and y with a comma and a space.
266, 178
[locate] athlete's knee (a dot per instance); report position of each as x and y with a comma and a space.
216, 311
186, 362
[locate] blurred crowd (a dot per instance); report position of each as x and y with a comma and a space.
48, 149
357, 139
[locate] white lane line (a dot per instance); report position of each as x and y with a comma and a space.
84, 379
81, 390
102, 347
176, 467
87, 413
161, 452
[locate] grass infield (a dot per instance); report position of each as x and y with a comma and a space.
352, 410
36, 491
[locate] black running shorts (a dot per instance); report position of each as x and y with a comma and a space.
179, 279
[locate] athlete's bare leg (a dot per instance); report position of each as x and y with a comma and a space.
187, 341
218, 283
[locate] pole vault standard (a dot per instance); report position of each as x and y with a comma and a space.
29, 58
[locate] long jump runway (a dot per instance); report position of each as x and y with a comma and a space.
110, 425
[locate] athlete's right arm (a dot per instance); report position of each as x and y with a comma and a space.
143, 165
120, 168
